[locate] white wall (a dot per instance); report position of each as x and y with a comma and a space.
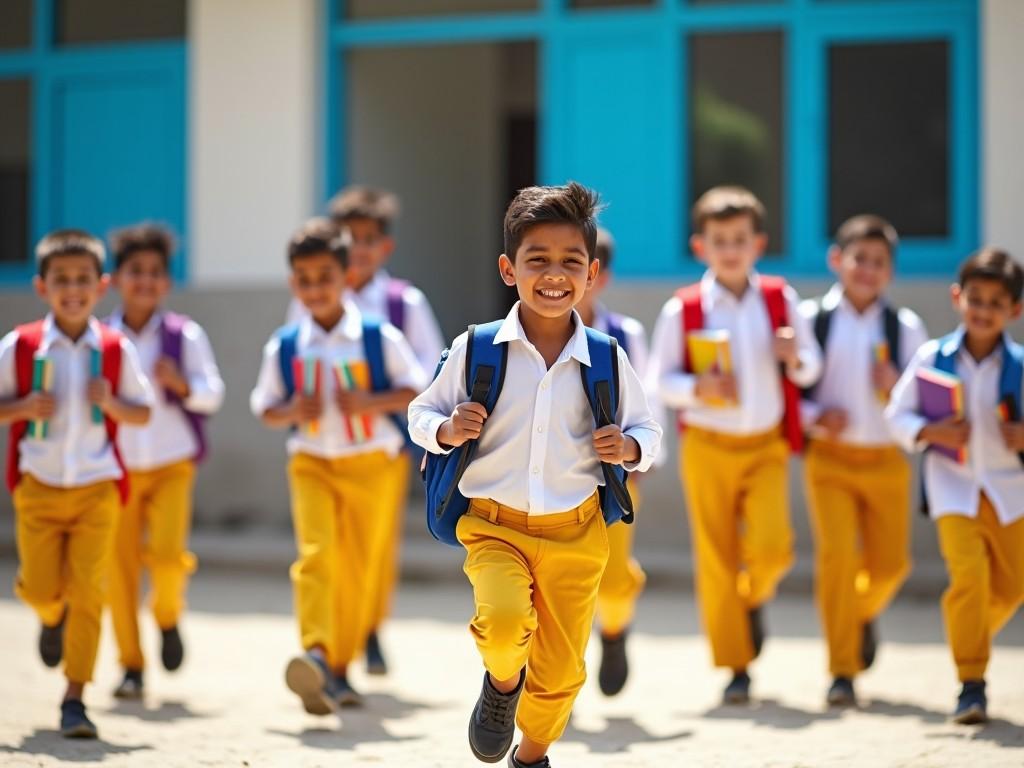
253, 120
1002, 69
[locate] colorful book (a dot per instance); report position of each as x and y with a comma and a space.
941, 395
95, 372
710, 352
350, 376
882, 354
306, 371
42, 381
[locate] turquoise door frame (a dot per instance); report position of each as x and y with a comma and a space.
613, 110
108, 135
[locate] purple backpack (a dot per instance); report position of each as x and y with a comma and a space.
396, 302
172, 328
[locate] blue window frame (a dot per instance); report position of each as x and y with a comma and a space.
631, 63
107, 134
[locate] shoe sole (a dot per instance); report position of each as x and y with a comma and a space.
128, 695
487, 758
377, 670
80, 731
841, 701
972, 716
306, 681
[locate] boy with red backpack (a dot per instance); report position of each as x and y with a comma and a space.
66, 384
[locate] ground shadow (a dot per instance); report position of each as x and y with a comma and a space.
902, 709
772, 714
618, 735
164, 712
1002, 733
44, 741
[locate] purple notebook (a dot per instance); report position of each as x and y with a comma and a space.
940, 395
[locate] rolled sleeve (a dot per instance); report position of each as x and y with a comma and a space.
431, 408
269, 390
206, 387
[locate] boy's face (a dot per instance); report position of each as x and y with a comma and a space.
551, 269
143, 281
369, 250
864, 269
986, 308
318, 281
730, 247
72, 287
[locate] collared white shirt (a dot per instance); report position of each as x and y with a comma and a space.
536, 452
167, 437
848, 361
343, 343
991, 467
761, 404
75, 451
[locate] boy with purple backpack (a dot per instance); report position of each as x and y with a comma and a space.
161, 456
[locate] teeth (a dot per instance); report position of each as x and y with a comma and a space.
553, 294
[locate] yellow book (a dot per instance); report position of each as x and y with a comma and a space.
710, 352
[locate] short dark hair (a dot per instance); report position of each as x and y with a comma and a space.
605, 252
319, 235
569, 204
147, 236
357, 202
867, 226
69, 242
721, 203
994, 264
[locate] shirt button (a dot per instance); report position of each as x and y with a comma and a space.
536, 470
544, 385
540, 429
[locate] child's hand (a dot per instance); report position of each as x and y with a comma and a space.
354, 402
100, 393
1013, 435
466, 422
884, 376
39, 406
951, 432
716, 386
613, 447
306, 408
833, 421
169, 377
784, 347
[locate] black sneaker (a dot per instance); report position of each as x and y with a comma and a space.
172, 652
131, 686
74, 723
738, 689
493, 722
756, 630
972, 705
841, 693
614, 666
51, 642
868, 645
513, 763
308, 678
375, 662
343, 692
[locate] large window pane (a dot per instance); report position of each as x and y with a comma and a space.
15, 157
391, 9
889, 134
15, 24
736, 107
100, 21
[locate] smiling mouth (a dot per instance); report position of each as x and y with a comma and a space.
552, 293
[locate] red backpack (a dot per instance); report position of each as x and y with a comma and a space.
772, 290
30, 336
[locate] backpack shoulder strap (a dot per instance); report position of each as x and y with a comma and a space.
823, 323
691, 317
373, 349
30, 337
893, 334
486, 363
396, 302
1010, 381
288, 339
110, 368
172, 332
945, 356
773, 290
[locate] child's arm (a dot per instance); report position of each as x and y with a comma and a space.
135, 395
421, 329
913, 335
35, 405
268, 401
198, 382
909, 428
440, 405
635, 439
1013, 431
796, 347
404, 372
675, 388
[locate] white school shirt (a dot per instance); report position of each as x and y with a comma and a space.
848, 360
536, 451
75, 451
167, 437
761, 404
992, 468
343, 343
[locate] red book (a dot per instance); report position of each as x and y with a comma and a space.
939, 396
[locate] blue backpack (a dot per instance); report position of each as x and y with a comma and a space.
373, 350
485, 374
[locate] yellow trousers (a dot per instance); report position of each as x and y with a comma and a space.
738, 502
859, 502
535, 585
152, 533
339, 515
64, 537
623, 579
386, 568
985, 562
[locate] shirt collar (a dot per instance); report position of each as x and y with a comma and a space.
712, 292
512, 330
348, 328
152, 325
836, 299
954, 345
53, 335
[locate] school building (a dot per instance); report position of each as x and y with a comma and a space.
232, 120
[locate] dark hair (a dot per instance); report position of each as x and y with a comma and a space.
867, 226
721, 203
319, 235
605, 251
994, 264
570, 204
147, 236
69, 242
365, 203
